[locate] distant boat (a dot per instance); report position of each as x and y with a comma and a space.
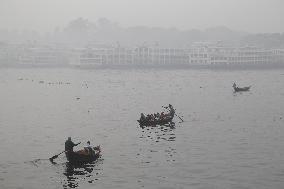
166, 120
158, 119
240, 89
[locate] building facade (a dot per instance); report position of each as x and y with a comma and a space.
216, 54
199, 54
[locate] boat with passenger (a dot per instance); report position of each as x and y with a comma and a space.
84, 155
157, 118
154, 122
87, 155
240, 89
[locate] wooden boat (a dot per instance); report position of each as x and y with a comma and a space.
240, 89
164, 121
82, 156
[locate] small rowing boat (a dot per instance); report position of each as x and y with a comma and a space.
82, 156
240, 89
164, 121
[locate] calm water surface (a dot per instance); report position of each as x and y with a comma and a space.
228, 140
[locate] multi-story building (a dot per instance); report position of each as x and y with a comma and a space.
9, 54
199, 54
278, 55
104, 56
216, 54
128, 56
43, 55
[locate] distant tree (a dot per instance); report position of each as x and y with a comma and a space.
78, 31
79, 25
265, 40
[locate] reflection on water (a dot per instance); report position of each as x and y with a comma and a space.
71, 175
228, 140
158, 133
78, 173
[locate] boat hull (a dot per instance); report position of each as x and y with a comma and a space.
155, 122
74, 157
239, 89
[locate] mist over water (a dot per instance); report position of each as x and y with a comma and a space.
228, 140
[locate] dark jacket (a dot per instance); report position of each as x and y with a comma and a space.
69, 145
172, 112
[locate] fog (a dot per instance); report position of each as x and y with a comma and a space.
35, 30
154, 94
256, 16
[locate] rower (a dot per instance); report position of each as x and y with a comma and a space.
69, 145
142, 118
172, 110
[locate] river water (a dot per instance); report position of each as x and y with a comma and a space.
227, 140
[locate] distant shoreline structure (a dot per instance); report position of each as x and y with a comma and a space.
203, 55
151, 67
187, 67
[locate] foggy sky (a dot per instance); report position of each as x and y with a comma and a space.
258, 16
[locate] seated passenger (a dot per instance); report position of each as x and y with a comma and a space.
162, 115
98, 148
158, 115
88, 148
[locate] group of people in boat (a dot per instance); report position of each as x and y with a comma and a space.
158, 116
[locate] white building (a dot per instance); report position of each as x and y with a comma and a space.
199, 54
160, 56
132, 56
216, 54
43, 55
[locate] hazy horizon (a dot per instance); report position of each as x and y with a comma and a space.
254, 16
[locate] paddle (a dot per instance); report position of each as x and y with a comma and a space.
179, 117
175, 113
55, 156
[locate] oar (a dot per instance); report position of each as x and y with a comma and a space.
56, 156
179, 117
175, 113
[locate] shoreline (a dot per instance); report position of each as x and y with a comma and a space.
226, 67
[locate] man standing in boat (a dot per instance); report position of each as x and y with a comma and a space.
172, 110
69, 145
142, 118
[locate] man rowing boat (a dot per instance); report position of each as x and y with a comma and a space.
69, 145
172, 110
158, 117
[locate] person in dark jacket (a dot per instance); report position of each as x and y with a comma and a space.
142, 118
172, 110
69, 145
